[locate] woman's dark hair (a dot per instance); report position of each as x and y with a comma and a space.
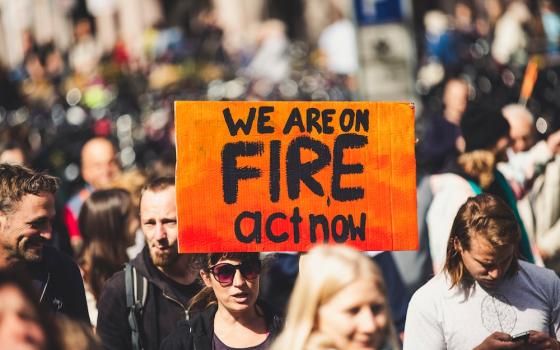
206, 297
19, 278
104, 223
486, 216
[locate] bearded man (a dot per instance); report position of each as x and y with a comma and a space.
171, 277
26, 213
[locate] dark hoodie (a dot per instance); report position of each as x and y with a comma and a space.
165, 306
196, 333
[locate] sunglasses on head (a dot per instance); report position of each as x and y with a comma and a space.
225, 272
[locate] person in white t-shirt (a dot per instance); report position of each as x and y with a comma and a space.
484, 296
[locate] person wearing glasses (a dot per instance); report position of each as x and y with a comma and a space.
225, 314
339, 302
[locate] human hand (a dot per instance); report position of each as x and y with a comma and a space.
543, 254
499, 340
542, 341
518, 190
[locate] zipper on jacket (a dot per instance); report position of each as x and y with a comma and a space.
175, 301
45, 287
186, 313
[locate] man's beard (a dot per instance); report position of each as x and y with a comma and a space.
166, 258
30, 249
26, 249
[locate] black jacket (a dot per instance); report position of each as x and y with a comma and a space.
61, 288
161, 313
197, 333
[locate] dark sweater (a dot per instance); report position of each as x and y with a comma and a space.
196, 332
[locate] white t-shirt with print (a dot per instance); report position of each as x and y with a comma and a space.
443, 318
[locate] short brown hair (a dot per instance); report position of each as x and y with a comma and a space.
17, 181
157, 185
490, 217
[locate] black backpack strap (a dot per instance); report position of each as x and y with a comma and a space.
136, 292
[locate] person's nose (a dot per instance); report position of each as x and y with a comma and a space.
238, 279
494, 273
46, 232
366, 321
161, 232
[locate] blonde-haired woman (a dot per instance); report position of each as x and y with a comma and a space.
339, 302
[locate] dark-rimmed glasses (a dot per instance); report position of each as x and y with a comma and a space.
225, 272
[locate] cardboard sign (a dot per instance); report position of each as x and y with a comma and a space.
283, 176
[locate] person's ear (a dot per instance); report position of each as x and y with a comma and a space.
457, 246
205, 278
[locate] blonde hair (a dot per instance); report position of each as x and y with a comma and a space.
479, 165
324, 272
484, 216
132, 181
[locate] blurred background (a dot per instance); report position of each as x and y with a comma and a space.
73, 69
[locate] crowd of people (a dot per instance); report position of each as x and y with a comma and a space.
158, 300
341, 300
88, 219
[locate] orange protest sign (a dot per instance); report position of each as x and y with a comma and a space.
282, 176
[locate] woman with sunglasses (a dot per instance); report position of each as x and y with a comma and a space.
225, 314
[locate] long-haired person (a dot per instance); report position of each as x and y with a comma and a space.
485, 296
339, 302
225, 314
107, 225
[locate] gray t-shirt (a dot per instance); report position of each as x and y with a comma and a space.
443, 318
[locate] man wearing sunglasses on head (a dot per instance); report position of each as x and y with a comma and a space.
171, 278
226, 314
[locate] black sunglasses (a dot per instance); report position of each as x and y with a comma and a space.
225, 272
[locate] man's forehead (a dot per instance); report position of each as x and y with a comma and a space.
483, 248
164, 197
159, 194
32, 202
97, 149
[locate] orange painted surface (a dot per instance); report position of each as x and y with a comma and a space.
388, 179
529, 79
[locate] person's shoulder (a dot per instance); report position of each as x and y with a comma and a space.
434, 289
539, 280
440, 182
429, 301
113, 295
115, 282
537, 273
55, 260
